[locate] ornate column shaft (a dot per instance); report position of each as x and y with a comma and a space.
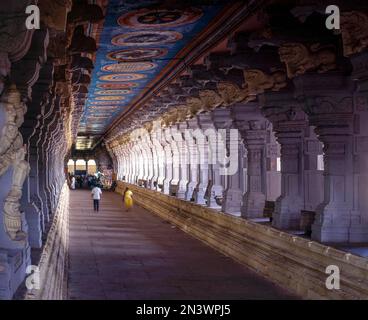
252, 126
229, 161
193, 159
289, 123
330, 110
184, 159
168, 161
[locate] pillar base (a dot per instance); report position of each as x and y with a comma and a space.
232, 201
200, 195
166, 187
182, 189
189, 196
287, 213
216, 191
253, 205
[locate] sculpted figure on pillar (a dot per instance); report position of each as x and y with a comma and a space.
12, 154
354, 32
258, 81
299, 58
195, 105
210, 99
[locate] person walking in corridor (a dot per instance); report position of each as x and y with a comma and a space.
96, 196
128, 200
72, 184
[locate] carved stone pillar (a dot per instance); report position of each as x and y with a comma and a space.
156, 141
184, 159
313, 170
252, 126
202, 145
193, 159
166, 137
173, 138
329, 105
214, 189
229, 161
289, 123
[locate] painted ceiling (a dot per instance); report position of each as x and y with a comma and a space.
138, 39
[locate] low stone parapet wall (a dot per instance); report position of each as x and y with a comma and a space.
53, 263
293, 262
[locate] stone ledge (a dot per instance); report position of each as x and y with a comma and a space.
293, 262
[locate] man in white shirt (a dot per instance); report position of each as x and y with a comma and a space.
96, 196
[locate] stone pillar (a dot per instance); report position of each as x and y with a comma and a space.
202, 145
156, 140
168, 161
289, 123
252, 126
173, 138
184, 160
232, 173
155, 162
214, 189
193, 159
313, 175
329, 106
255, 197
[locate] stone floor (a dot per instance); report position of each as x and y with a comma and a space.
135, 255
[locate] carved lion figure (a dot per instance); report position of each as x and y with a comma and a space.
299, 59
354, 32
195, 105
257, 81
210, 99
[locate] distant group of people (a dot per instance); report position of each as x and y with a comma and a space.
84, 181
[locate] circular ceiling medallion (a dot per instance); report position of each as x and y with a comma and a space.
122, 77
103, 103
102, 108
156, 18
124, 85
146, 38
110, 98
129, 66
113, 92
137, 54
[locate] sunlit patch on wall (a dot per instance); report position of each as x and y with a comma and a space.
158, 18
129, 67
146, 38
122, 77
137, 54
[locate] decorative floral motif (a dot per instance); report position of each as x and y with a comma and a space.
129, 67
110, 98
146, 38
113, 92
117, 86
158, 18
123, 77
137, 54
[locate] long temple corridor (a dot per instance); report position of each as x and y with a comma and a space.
116, 254
236, 129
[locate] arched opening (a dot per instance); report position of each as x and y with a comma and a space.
92, 167
70, 166
81, 167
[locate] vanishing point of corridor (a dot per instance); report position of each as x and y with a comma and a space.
116, 254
